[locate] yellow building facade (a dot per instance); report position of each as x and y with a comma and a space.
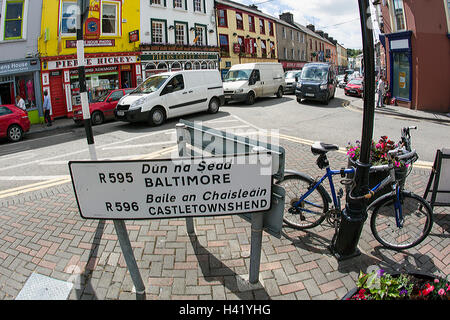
111, 38
245, 34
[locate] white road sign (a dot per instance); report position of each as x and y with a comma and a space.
155, 189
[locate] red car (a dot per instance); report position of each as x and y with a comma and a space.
354, 87
102, 108
14, 122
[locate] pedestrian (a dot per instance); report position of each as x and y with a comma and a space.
20, 103
380, 91
47, 107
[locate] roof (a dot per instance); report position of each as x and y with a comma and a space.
245, 8
312, 33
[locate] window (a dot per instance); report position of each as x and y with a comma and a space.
178, 4
262, 28
239, 21
158, 31
176, 83
4, 111
285, 53
292, 54
197, 5
284, 32
271, 28
401, 75
157, 2
68, 18
263, 48
180, 33
447, 13
223, 21
224, 44
251, 23
200, 35
14, 20
241, 44
399, 15
116, 95
109, 18
292, 34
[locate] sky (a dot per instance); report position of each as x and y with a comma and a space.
338, 18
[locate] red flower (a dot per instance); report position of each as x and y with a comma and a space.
428, 290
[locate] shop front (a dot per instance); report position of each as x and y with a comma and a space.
104, 72
292, 65
21, 78
154, 62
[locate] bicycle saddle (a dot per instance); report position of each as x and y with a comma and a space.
322, 148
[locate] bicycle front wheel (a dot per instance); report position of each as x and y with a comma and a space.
417, 221
311, 211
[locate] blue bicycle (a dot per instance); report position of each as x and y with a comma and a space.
400, 219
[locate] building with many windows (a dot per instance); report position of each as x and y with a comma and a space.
245, 35
342, 60
319, 47
291, 43
415, 37
20, 24
111, 33
178, 35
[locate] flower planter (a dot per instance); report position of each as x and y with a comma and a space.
376, 177
419, 281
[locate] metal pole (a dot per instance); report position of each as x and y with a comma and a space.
355, 212
182, 152
255, 246
120, 226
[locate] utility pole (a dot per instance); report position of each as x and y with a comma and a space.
355, 212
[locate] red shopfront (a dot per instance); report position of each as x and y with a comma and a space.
292, 65
104, 72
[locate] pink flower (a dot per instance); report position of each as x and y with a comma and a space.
441, 292
436, 280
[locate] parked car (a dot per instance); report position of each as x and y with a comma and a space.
102, 108
14, 122
354, 87
290, 78
248, 81
172, 94
317, 82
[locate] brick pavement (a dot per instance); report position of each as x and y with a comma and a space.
43, 232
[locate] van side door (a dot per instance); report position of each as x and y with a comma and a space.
255, 83
175, 96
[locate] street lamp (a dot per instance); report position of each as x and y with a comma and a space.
355, 212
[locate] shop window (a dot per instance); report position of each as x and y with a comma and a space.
223, 21
68, 18
401, 76
110, 14
98, 86
25, 89
13, 20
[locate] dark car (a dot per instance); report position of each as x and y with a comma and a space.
102, 108
13, 122
354, 87
317, 82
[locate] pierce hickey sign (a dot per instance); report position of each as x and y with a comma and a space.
98, 61
155, 189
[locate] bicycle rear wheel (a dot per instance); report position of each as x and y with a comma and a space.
312, 211
417, 221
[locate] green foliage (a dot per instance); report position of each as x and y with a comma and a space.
383, 286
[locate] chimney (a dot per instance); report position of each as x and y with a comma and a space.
325, 35
320, 32
311, 27
254, 7
288, 17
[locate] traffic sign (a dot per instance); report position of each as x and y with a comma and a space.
156, 189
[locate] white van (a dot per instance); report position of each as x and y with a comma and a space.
248, 81
172, 94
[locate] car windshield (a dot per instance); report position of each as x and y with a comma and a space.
102, 97
290, 74
151, 84
237, 75
315, 73
358, 82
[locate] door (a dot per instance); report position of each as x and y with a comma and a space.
176, 97
255, 83
57, 96
6, 118
7, 93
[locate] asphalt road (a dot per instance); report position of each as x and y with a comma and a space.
41, 159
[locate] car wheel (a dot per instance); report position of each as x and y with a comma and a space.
250, 98
157, 117
327, 99
280, 92
15, 133
299, 100
214, 106
97, 118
